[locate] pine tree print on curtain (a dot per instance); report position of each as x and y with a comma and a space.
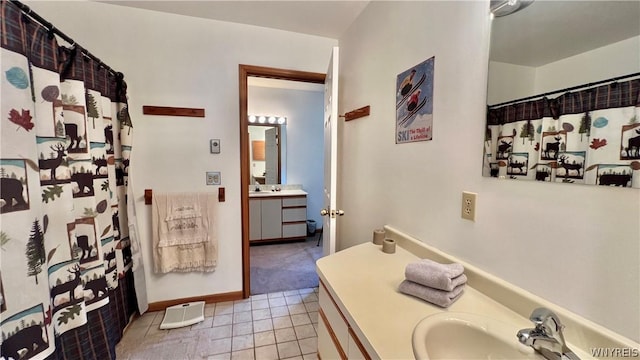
65, 279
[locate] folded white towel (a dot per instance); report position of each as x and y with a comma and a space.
437, 297
438, 276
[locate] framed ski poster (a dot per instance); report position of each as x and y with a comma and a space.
414, 103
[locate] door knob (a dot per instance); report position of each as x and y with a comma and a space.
337, 212
324, 212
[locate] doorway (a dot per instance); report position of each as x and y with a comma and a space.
246, 71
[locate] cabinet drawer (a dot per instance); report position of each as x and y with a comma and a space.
294, 201
336, 322
294, 230
294, 214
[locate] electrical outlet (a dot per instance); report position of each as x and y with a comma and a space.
469, 205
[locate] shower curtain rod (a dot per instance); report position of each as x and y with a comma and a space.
49, 26
565, 90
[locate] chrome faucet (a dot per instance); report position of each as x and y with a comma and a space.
546, 338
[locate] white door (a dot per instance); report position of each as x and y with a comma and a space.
330, 211
271, 156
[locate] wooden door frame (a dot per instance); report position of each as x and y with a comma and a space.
245, 71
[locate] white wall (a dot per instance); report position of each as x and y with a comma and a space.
509, 82
304, 131
617, 59
171, 60
577, 246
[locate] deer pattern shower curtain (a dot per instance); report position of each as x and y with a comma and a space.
586, 137
65, 282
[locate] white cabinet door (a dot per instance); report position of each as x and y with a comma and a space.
271, 218
255, 219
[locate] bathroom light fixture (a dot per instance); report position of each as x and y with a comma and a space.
267, 119
506, 7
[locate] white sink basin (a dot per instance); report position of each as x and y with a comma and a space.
452, 335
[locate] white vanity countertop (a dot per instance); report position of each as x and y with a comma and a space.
254, 194
363, 281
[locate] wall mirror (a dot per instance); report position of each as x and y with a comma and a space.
564, 94
266, 154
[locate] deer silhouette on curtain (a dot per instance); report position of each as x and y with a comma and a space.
66, 284
591, 136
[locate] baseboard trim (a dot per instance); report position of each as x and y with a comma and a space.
230, 296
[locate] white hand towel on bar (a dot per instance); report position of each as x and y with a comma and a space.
438, 276
186, 222
192, 254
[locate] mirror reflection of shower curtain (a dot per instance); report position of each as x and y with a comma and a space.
590, 136
271, 156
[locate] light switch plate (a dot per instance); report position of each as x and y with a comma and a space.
214, 144
213, 178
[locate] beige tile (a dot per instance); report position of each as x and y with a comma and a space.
258, 297
279, 311
269, 352
262, 314
305, 291
246, 354
290, 293
243, 328
242, 306
284, 335
309, 297
207, 348
146, 319
224, 308
278, 301
216, 332
311, 356
309, 345
294, 358
260, 304
242, 342
288, 349
264, 338
262, 325
241, 317
223, 356
311, 306
314, 317
209, 310
282, 322
300, 319
206, 323
305, 331
225, 319
275, 295
293, 299
297, 309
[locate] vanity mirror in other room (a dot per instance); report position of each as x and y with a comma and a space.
564, 92
266, 154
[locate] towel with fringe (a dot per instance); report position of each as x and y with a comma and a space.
435, 296
183, 232
436, 275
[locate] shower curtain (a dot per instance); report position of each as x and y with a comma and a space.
590, 136
66, 285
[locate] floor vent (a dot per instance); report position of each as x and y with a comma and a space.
183, 315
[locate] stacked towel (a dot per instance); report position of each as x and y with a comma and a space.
439, 284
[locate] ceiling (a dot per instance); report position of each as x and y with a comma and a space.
321, 18
543, 32
547, 31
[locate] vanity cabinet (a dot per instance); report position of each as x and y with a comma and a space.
273, 218
336, 339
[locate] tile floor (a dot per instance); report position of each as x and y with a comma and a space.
280, 325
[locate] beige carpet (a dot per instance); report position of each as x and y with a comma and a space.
284, 266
